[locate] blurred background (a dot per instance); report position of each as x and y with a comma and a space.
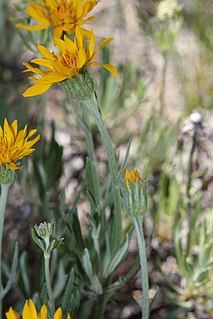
163, 98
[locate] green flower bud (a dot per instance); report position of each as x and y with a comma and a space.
135, 195
44, 230
7, 176
79, 88
42, 237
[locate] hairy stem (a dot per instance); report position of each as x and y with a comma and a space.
3, 201
94, 111
49, 288
143, 262
188, 187
163, 85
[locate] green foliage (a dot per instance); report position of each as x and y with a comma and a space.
196, 266
156, 141
48, 165
165, 206
91, 265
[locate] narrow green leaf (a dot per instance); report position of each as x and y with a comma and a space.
117, 259
24, 273
123, 166
87, 265
67, 293
12, 273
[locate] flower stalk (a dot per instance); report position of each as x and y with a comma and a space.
42, 237
85, 125
135, 200
48, 284
143, 262
93, 110
3, 201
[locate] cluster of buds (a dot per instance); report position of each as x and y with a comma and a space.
42, 237
135, 194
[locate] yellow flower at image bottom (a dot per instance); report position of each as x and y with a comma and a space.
75, 55
61, 15
14, 144
29, 312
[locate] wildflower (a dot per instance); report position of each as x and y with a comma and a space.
74, 57
135, 197
14, 144
29, 312
62, 15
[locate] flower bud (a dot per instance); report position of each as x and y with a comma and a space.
42, 237
135, 194
79, 88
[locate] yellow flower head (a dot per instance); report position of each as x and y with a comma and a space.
132, 177
15, 144
29, 312
62, 15
74, 56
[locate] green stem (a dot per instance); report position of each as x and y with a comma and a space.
3, 201
188, 187
143, 262
84, 123
163, 85
102, 301
49, 289
93, 110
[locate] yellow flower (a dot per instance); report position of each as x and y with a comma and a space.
15, 144
62, 15
74, 56
29, 312
132, 176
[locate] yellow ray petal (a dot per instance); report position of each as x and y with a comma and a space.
14, 128
32, 132
45, 52
79, 38
29, 311
58, 314
7, 131
88, 6
1, 132
42, 62
91, 44
53, 77
29, 144
37, 89
104, 43
57, 32
111, 68
11, 314
14, 167
60, 44
81, 58
32, 27
69, 44
37, 16
30, 68
43, 314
